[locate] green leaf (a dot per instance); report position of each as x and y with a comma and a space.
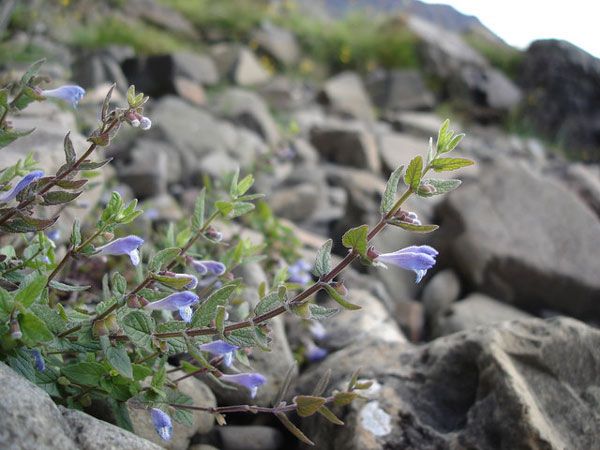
159, 377
139, 327
439, 187
207, 311
414, 172
67, 287
356, 239
267, 303
106, 102
28, 224
34, 329
121, 414
323, 259
329, 415
308, 404
335, 295
76, 233
71, 184
293, 428
198, 217
244, 185
119, 359
70, 155
389, 196
412, 227
344, 398
119, 284
442, 136
86, 373
59, 197
322, 383
32, 71
8, 136
172, 281
448, 164
234, 184
453, 143
220, 319
140, 372
175, 344
31, 288
93, 165
318, 312
163, 258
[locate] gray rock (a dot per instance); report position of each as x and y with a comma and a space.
563, 108
150, 169
508, 242
283, 93
161, 16
163, 208
399, 90
346, 143
278, 43
345, 94
247, 70
521, 384
442, 290
476, 309
398, 149
373, 321
247, 109
425, 124
250, 437
585, 181
29, 420
297, 203
93, 69
202, 422
217, 164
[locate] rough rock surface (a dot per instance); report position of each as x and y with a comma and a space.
53, 427
345, 94
529, 384
526, 239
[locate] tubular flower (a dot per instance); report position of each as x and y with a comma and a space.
193, 283
313, 352
123, 246
250, 381
204, 267
175, 302
69, 93
418, 258
162, 423
220, 348
186, 314
6, 197
38, 360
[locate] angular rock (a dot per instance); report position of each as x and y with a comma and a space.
475, 310
297, 203
346, 143
247, 70
345, 94
399, 90
585, 181
148, 172
250, 437
30, 420
247, 109
279, 43
522, 384
398, 149
560, 107
442, 290
525, 239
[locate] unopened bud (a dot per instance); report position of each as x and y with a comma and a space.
135, 123
39, 199
134, 302
108, 235
99, 328
15, 329
229, 276
213, 234
145, 123
427, 188
111, 323
372, 253
340, 288
63, 381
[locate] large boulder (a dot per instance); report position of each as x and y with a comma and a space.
559, 106
525, 239
399, 90
29, 420
279, 43
529, 384
345, 94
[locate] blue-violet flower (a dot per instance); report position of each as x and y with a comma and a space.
204, 267
162, 423
220, 348
250, 381
38, 360
69, 93
123, 246
175, 301
418, 258
6, 197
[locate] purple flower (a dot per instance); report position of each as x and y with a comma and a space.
204, 267
418, 258
123, 246
162, 423
38, 360
145, 123
6, 197
186, 314
175, 302
193, 280
69, 93
317, 330
299, 272
313, 352
220, 348
250, 381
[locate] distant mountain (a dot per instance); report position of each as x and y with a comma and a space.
442, 15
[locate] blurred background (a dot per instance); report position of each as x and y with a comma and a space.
321, 100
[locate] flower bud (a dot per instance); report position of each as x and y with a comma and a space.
340, 288
99, 328
63, 381
372, 253
108, 235
15, 330
134, 302
145, 123
111, 323
213, 234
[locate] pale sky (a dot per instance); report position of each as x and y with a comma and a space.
519, 22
